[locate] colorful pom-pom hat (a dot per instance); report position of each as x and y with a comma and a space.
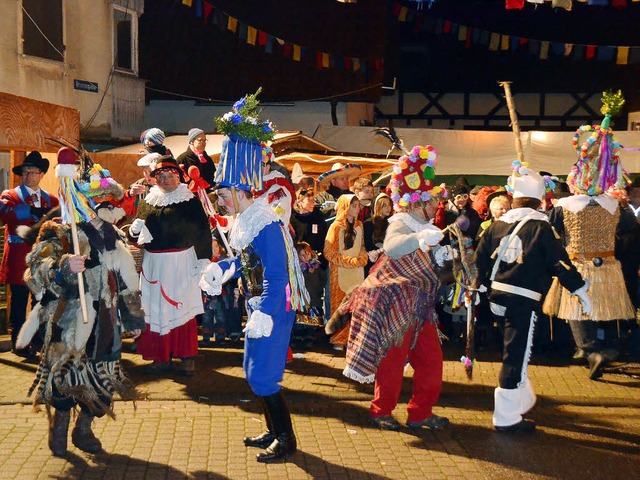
98, 185
412, 178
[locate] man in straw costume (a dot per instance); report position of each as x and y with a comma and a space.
519, 254
588, 220
80, 363
269, 267
393, 313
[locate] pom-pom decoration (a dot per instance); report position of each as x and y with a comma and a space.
411, 177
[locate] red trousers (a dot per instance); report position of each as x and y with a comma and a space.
426, 359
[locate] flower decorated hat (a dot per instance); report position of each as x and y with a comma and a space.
525, 182
242, 151
598, 168
412, 178
98, 185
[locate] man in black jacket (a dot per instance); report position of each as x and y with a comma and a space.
519, 254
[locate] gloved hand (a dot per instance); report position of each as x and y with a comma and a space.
585, 300
259, 325
39, 211
213, 278
429, 237
374, 255
443, 254
136, 226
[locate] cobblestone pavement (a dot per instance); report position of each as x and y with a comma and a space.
193, 427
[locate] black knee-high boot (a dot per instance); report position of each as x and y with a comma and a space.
285, 441
266, 438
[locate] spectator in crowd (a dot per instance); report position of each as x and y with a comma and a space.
498, 203
309, 224
346, 254
459, 204
80, 363
363, 189
375, 228
153, 141
196, 154
173, 228
336, 181
23, 205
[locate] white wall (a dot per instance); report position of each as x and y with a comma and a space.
176, 116
88, 38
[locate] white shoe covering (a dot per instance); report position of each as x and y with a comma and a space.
511, 404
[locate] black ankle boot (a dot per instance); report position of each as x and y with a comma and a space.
58, 431
285, 440
266, 438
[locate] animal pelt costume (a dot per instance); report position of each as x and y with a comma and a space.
81, 361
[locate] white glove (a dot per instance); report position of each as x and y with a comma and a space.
429, 237
443, 254
199, 266
259, 325
136, 227
374, 255
585, 300
213, 278
482, 289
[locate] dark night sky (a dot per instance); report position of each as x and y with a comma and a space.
178, 53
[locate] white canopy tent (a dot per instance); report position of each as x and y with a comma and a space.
475, 152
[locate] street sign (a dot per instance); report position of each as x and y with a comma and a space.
84, 85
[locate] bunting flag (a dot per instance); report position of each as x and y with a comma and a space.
256, 37
499, 42
567, 4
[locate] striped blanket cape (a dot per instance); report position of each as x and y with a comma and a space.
398, 295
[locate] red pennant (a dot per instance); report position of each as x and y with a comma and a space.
262, 38
515, 4
469, 37
287, 48
446, 28
208, 9
590, 52
396, 9
319, 60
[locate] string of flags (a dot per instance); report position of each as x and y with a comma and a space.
209, 13
495, 41
568, 4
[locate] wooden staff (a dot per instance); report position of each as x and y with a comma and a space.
76, 251
514, 119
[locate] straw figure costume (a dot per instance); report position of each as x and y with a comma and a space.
80, 363
393, 313
174, 230
22, 206
270, 269
518, 254
588, 221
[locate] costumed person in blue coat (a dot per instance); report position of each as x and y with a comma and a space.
268, 263
519, 255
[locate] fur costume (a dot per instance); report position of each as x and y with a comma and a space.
81, 360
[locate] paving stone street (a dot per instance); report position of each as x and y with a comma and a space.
193, 427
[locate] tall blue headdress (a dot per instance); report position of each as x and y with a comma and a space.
241, 157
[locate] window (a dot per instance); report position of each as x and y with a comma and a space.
125, 35
42, 29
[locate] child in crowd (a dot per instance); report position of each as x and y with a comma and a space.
315, 277
363, 188
222, 313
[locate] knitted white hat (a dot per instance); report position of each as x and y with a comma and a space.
526, 183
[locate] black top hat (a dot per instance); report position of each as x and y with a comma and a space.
34, 159
501, 191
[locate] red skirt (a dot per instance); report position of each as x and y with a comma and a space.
181, 342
